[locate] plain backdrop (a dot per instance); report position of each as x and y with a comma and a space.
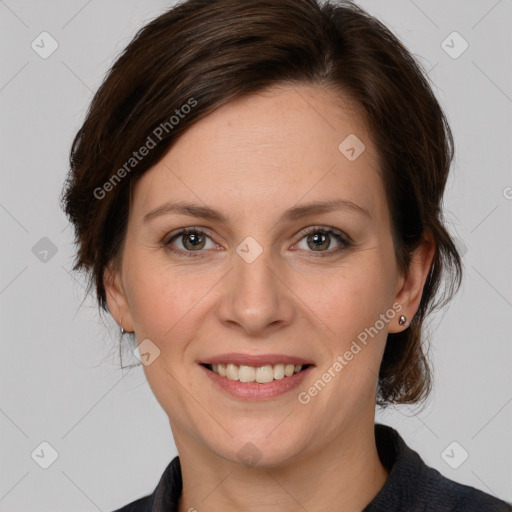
60, 378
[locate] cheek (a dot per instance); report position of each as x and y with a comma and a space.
351, 299
165, 303
163, 298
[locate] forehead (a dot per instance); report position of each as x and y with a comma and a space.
269, 151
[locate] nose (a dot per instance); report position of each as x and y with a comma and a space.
256, 299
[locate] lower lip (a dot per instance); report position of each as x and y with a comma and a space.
255, 390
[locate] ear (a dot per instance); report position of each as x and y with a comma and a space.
116, 297
411, 285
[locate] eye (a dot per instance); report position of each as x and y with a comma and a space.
191, 240
319, 239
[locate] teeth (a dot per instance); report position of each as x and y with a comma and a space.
278, 371
232, 371
289, 369
264, 374
259, 374
246, 373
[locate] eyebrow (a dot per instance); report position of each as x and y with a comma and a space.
292, 214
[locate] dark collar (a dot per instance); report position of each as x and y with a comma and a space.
411, 486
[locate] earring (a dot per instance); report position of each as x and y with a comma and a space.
402, 320
122, 331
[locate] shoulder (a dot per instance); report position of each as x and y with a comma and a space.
166, 495
456, 497
414, 486
141, 505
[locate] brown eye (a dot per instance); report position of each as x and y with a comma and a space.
192, 241
318, 240
321, 240
189, 241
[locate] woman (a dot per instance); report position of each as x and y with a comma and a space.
256, 193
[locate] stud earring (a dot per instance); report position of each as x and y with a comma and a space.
402, 320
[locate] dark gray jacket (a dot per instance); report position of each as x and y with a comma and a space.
412, 486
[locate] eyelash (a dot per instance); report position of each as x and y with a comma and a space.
345, 241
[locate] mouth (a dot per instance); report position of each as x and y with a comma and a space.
259, 374
256, 376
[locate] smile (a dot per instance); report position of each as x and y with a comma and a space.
260, 374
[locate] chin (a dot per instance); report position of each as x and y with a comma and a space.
261, 451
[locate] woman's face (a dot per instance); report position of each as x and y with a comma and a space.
266, 281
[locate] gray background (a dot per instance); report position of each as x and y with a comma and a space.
60, 378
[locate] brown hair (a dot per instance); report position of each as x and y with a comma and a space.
205, 53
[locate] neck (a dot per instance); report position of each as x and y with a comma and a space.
347, 471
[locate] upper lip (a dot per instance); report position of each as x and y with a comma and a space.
255, 360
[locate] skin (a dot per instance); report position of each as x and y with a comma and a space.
252, 159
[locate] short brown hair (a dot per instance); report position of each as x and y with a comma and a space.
213, 51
